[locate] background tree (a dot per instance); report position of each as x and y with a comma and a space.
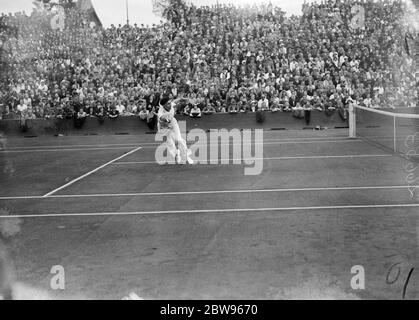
168, 9
49, 4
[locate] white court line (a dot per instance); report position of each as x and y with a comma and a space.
272, 158
78, 146
271, 142
144, 194
139, 213
62, 149
157, 143
190, 142
90, 172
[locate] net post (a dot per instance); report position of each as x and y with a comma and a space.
352, 121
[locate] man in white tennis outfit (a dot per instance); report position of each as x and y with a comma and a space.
168, 126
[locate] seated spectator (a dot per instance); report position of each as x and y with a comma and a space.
80, 118
21, 108
43, 87
200, 101
91, 110
195, 112
120, 108
219, 108
263, 103
100, 113
242, 107
187, 109
143, 114
113, 112
367, 102
233, 108
376, 102
209, 109
59, 112
287, 107
275, 106
317, 103
131, 108
29, 114
39, 110
253, 103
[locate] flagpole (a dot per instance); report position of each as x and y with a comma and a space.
126, 4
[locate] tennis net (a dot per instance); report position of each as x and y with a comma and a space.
398, 132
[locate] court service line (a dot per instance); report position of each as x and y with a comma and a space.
158, 143
139, 213
62, 149
247, 160
170, 193
78, 146
154, 143
273, 142
90, 172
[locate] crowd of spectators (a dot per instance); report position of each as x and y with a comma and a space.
214, 59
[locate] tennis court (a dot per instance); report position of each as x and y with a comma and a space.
118, 222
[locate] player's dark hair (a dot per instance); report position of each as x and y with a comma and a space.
164, 100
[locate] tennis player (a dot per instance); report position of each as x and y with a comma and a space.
168, 126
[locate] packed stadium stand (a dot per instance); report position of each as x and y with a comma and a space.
218, 59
